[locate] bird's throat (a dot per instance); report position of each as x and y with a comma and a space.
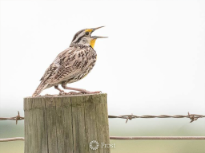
92, 43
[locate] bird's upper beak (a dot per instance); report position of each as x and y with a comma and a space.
93, 29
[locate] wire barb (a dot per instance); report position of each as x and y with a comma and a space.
129, 117
16, 118
193, 117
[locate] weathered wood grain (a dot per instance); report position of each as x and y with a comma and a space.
66, 124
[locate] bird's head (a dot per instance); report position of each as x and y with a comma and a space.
83, 37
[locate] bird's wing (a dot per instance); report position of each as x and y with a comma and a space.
52, 70
72, 64
67, 65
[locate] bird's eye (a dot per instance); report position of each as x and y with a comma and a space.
87, 33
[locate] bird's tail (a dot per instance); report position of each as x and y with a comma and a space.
41, 86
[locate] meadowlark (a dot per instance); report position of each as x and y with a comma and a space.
71, 65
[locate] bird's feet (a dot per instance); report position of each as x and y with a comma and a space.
79, 93
90, 92
69, 93
62, 93
73, 93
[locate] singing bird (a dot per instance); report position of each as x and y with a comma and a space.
71, 65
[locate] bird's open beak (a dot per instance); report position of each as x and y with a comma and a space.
95, 37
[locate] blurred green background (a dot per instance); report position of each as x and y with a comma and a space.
135, 127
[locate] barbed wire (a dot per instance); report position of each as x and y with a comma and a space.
192, 117
16, 118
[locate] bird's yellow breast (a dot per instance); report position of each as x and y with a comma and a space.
92, 43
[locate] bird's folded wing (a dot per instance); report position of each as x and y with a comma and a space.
53, 68
65, 66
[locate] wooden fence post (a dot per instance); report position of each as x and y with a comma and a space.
66, 124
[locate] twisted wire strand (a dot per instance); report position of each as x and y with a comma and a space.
12, 139
192, 117
131, 138
157, 137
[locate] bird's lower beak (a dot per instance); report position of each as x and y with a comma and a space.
95, 37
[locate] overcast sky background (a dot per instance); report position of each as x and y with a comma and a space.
152, 63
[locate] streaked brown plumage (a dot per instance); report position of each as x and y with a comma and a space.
72, 64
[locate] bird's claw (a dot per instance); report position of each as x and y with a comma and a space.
91, 92
73, 93
78, 93
62, 93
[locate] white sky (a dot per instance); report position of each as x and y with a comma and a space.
152, 63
